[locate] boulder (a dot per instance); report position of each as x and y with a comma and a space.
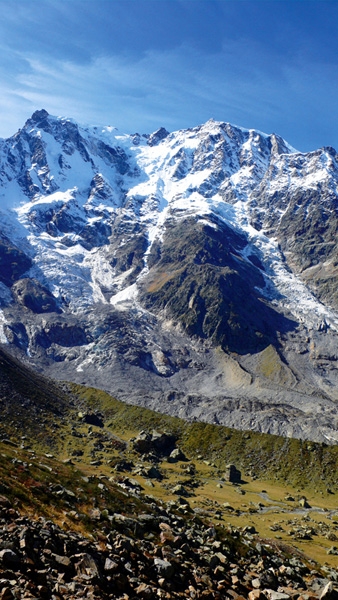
275, 595
142, 443
164, 568
304, 503
177, 455
160, 443
154, 473
330, 592
86, 565
9, 558
232, 474
163, 443
180, 490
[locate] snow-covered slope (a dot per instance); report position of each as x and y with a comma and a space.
194, 271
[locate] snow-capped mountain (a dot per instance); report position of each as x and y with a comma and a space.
194, 272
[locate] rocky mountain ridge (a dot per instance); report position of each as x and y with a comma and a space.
193, 272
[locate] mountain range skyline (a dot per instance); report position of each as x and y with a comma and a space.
267, 65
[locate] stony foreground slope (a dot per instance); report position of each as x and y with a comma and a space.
192, 272
153, 555
85, 526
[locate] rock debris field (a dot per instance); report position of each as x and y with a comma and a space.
170, 552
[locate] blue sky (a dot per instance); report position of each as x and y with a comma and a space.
141, 64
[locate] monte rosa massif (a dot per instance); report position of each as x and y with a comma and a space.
193, 272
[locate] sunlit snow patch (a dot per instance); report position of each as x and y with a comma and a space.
282, 286
3, 339
125, 298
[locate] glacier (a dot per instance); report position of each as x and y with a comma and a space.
99, 217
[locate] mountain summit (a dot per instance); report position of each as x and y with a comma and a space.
194, 272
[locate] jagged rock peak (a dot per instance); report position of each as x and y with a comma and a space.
157, 136
39, 118
39, 114
279, 145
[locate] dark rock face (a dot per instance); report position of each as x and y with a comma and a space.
127, 255
31, 294
199, 277
115, 156
157, 136
63, 334
39, 118
66, 222
305, 220
13, 262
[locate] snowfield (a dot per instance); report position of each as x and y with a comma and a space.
78, 274
88, 208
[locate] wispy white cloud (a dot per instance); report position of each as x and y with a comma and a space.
176, 88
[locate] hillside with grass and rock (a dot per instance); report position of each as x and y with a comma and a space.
107, 500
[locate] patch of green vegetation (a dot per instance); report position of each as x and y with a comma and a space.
41, 485
78, 485
37, 409
120, 416
305, 464
30, 404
